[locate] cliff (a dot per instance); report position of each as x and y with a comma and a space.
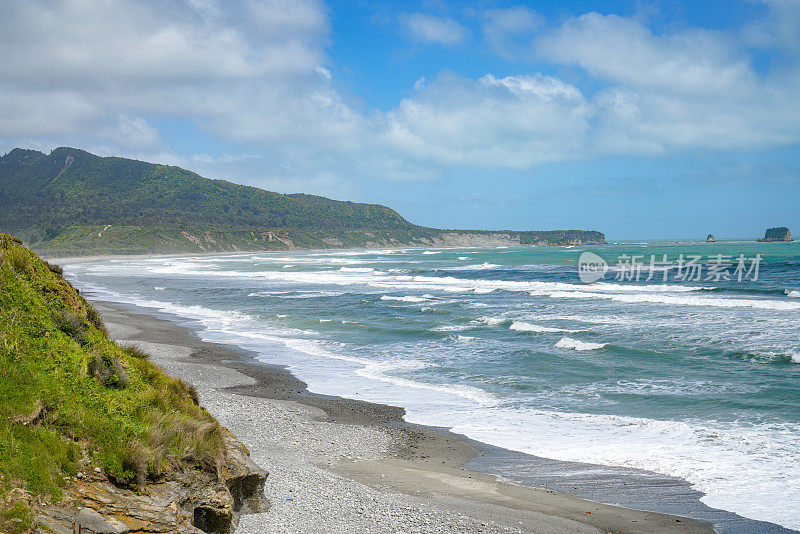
94, 434
780, 233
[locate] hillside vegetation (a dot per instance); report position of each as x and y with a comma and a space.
71, 201
72, 401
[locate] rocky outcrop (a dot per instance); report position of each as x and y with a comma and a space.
781, 233
193, 501
710, 238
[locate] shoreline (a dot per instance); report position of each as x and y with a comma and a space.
447, 471
99, 257
102, 257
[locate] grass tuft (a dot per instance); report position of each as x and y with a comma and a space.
71, 324
54, 268
108, 370
94, 317
135, 352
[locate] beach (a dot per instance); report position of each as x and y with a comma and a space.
342, 465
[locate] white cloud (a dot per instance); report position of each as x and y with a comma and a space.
508, 122
428, 29
135, 132
685, 90
252, 74
623, 50
780, 29
508, 31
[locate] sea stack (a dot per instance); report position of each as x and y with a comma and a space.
710, 238
781, 233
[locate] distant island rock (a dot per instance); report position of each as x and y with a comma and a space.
781, 233
710, 238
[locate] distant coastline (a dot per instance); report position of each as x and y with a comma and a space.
73, 203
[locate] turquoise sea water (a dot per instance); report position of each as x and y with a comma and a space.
695, 378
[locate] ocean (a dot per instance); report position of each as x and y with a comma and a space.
696, 376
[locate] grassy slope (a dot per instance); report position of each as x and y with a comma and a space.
71, 399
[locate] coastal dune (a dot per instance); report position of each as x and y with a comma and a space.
338, 465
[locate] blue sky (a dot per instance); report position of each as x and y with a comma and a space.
639, 119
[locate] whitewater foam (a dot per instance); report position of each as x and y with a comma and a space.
521, 326
575, 344
408, 298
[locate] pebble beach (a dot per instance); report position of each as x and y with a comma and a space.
337, 465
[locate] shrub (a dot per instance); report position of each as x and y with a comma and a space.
108, 371
54, 268
70, 324
94, 317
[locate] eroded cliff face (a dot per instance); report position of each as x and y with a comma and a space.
192, 501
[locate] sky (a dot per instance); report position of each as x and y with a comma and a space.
644, 120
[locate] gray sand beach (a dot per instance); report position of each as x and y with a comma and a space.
337, 465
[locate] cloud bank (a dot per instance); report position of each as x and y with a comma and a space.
254, 76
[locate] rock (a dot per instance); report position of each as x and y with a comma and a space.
710, 238
194, 501
780, 233
88, 518
213, 519
245, 480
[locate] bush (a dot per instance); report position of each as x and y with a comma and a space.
71, 324
94, 317
108, 371
54, 268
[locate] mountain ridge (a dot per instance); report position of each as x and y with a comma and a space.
71, 201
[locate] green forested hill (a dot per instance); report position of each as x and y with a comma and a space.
73, 202
73, 187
